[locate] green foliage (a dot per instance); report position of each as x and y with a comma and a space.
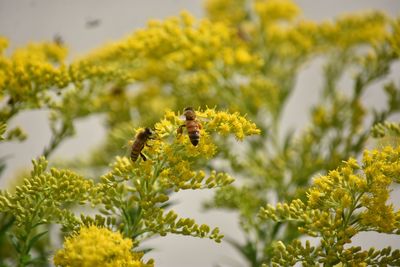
279, 166
3, 128
339, 205
139, 192
386, 128
16, 133
245, 58
43, 198
132, 197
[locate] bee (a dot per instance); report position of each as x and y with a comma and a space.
92, 23
192, 125
139, 143
58, 40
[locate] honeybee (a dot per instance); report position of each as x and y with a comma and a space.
192, 125
139, 143
58, 40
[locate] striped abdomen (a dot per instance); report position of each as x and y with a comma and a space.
136, 149
139, 143
193, 129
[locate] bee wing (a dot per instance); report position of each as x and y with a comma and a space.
203, 118
199, 117
127, 147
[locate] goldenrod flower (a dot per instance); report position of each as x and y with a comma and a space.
94, 246
3, 44
171, 165
346, 201
228, 11
273, 10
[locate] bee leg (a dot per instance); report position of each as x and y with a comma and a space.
142, 156
180, 129
200, 126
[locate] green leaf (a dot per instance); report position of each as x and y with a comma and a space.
35, 239
6, 225
146, 250
25, 259
3, 164
14, 242
249, 251
3, 128
38, 262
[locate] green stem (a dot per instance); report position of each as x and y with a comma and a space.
133, 225
126, 217
24, 255
56, 140
352, 209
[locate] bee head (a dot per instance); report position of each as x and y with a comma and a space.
189, 113
148, 131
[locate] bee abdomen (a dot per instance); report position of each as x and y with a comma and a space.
134, 155
136, 149
194, 138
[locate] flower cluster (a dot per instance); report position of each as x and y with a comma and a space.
14, 134
43, 197
369, 28
35, 77
140, 190
164, 49
26, 75
339, 205
94, 246
275, 10
387, 133
167, 59
394, 38
227, 11
386, 129
245, 59
132, 197
280, 166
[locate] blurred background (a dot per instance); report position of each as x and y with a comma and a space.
84, 25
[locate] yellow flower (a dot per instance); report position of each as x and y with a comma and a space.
3, 44
224, 128
355, 29
320, 116
346, 200
222, 122
228, 11
32, 69
94, 246
243, 56
395, 37
314, 197
187, 19
381, 169
380, 216
273, 10
340, 188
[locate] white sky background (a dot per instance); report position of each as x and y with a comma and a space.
23, 21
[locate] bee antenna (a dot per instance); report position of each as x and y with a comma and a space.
188, 108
